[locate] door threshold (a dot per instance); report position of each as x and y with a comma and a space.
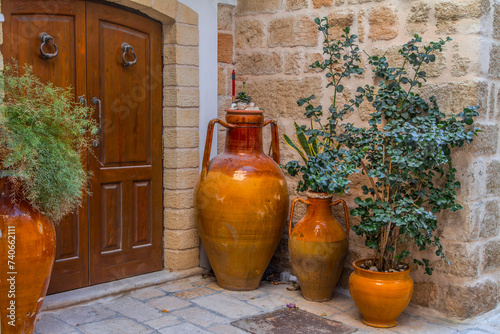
113, 289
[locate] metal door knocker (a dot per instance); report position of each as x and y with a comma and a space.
45, 39
126, 48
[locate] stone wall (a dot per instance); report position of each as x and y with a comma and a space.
225, 61
270, 43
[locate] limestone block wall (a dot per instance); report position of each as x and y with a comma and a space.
225, 59
274, 41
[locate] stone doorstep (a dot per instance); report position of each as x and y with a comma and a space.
113, 289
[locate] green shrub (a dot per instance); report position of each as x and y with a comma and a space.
405, 150
406, 154
324, 167
42, 142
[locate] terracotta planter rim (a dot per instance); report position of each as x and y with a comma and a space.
356, 267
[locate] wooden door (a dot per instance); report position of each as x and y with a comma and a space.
117, 232
25, 21
126, 205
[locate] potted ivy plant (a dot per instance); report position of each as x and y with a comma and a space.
406, 154
318, 257
43, 135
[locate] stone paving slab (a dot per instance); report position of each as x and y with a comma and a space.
244, 295
198, 305
200, 316
227, 306
116, 326
52, 325
165, 321
135, 309
194, 293
226, 329
148, 293
80, 315
169, 303
185, 328
269, 302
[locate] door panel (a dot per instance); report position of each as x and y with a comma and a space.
65, 22
125, 211
128, 123
111, 217
26, 31
142, 213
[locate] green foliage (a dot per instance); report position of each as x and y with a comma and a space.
306, 149
42, 139
406, 153
325, 167
242, 96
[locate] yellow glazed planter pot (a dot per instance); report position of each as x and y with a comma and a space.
318, 247
380, 297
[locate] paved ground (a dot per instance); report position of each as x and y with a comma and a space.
199, 305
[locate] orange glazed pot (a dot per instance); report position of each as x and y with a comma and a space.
318, 247
241, 201
380, 297
27, 251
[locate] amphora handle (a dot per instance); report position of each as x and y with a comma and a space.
297, 199
275, 144
346, 212
210, 133
208, 143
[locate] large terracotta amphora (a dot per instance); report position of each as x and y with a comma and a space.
318, 246
27, 250
241, 201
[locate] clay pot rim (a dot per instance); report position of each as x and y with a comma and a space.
354, 264
316, 195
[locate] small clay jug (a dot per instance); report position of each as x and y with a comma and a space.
318, 246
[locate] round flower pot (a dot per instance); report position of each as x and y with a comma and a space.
380, 297
241, 201
318, 247
28, 241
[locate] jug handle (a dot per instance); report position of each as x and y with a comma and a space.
297, 199
346, 212
208, 143
275, 144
